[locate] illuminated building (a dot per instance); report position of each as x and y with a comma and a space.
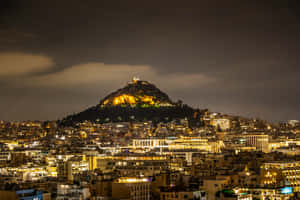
173, 143
11, 144
28, 194
135, 80
281, 174
281, 193
76, 167
52, 171
222, 123
294, 123
149, 143
130, 166
291, 151
68, 191
67, 166
273, 145
196, 143
131, 188
26, 173
260, 141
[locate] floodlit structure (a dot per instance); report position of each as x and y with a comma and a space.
131, 188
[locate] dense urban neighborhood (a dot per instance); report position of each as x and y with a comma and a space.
138, 144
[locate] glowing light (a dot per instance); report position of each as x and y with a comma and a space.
148, 99
135, 80
132, 180
286, 190
236, 191
54, 174
133, 100
124, 99
106, 102
116, 101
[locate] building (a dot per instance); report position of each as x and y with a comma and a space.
222, 123
149, 143
176, 193
213, 185
260, 141
135, 165
5, 156
76, 167
177, 143
67, 169
131, 188
72, 192
294, 123
281, 174
29, 194
281, 193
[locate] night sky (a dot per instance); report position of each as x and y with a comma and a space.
58, 57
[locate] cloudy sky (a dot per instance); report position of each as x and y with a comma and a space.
58, 57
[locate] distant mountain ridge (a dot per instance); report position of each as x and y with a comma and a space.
137, 101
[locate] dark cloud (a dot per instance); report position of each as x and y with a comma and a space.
249, 48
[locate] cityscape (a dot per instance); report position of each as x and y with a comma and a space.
138, 144
149, 100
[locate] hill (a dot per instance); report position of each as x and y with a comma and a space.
137, 101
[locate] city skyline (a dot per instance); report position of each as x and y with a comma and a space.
149, 100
